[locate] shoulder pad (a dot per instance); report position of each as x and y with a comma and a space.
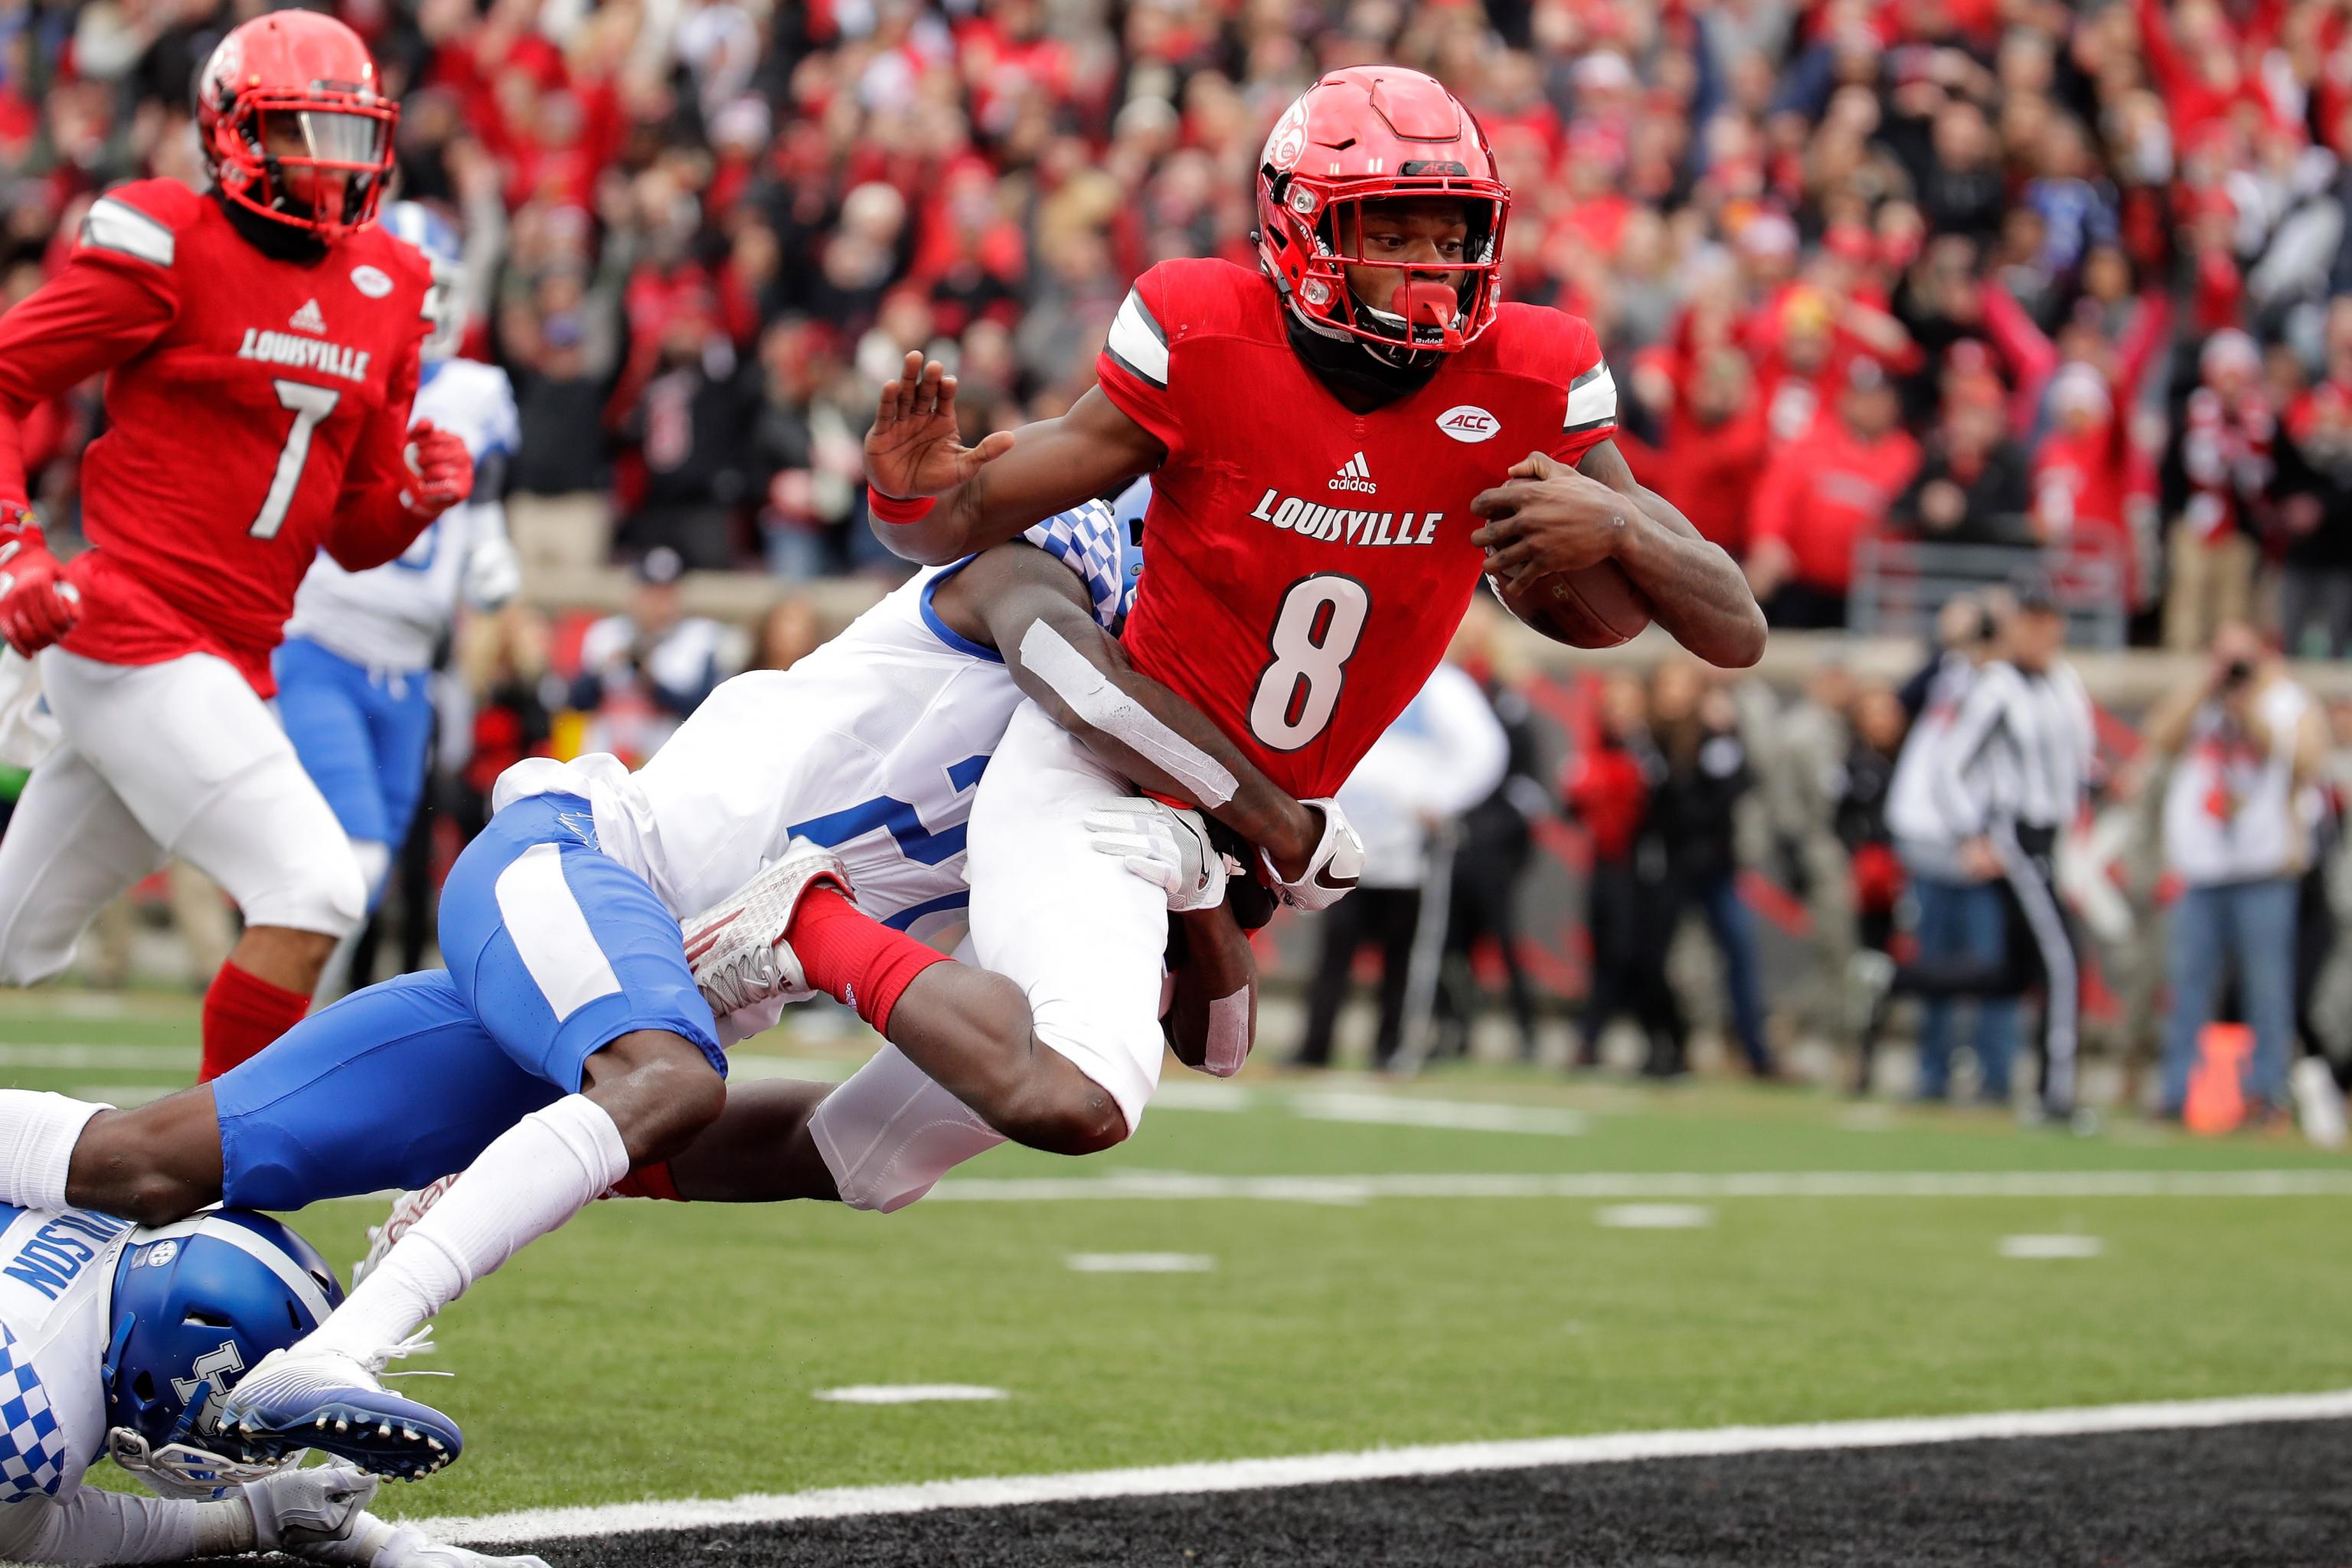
141, 219
1090, 541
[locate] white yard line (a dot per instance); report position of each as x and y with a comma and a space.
1659, 1185
76, 1054
1377, 1464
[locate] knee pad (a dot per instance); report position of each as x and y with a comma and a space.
889, 1133
327, 895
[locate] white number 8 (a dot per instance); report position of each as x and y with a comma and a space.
1314, 634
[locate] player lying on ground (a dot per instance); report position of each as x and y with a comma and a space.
1324, 435
121, 1342
570, 1041
259, 341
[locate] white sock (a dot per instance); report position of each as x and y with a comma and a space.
537, 1175
38, 1133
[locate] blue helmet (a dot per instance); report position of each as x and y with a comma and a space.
437, 237
196, 1305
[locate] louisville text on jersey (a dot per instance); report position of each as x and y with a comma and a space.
1312, 520
304, 353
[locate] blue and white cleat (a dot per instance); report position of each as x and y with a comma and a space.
335, 1402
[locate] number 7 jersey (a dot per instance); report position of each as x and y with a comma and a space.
1308, 564
256, 411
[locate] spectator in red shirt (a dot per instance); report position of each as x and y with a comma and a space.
1824, 493
1713, 449
1629, 905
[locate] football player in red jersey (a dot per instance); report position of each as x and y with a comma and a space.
261, 340
1339, 443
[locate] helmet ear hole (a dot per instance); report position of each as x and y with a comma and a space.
142, 1387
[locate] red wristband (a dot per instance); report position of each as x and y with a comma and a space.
890, 509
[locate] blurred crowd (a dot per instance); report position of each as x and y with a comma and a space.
1898, 290
1647, 860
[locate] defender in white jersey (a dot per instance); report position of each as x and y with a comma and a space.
355, 672
120, 1342
567, 1044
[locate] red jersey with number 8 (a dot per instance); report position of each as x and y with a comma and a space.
256, 411
1306, 565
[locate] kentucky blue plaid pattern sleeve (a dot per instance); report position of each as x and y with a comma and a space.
1090, 541
32, 1448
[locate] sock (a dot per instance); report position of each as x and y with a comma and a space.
38, 1133
652, 1181
533, 1178
852, 957
243, 1013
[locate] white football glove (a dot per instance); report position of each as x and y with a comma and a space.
296, 1509
493, 574
412, 1548
1166, 846
1331, 872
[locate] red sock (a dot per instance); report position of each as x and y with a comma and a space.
652, 1181
243, 1013
852, 957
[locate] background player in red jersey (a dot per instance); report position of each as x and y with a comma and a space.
1339, 443
262, 342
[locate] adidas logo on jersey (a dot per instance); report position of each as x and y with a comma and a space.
1354, 475
307, 320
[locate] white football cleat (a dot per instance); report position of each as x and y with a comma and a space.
336, 1403
737, 947
406, 1210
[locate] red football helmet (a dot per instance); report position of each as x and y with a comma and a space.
1372, 133
289, 76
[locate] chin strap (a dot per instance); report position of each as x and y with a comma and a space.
185, 1470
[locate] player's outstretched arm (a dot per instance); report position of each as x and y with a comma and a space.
1212, 1017
986, 494
1550, 518
1029, 607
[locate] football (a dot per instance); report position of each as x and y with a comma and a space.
1596, 608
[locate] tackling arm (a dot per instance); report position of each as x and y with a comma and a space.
988, 494
1027, 606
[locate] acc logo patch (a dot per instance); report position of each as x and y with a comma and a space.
1469, 423
371, 282
1289, 137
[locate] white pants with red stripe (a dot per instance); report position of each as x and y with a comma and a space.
177, 760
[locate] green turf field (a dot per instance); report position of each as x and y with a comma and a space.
657, 1350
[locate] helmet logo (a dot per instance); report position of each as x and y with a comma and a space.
371, 282
1289, 138
159, 1256
1468, 423
214, 1368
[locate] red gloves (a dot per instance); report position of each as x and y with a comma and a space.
445, 470
38, 603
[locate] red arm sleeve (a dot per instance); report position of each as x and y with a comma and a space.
373, 520
1134, 364
102, 309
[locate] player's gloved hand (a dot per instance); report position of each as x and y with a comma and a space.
39, 604
444, 469
296, 1509
914, 449
412, 1548
493, 574
1332, 871
1166, 846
